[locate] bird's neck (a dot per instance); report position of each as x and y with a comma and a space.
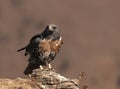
54, 36
46, 33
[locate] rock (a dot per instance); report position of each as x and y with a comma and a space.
41, 79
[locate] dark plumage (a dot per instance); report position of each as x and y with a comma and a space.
43, 48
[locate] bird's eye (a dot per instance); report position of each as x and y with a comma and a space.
54, 27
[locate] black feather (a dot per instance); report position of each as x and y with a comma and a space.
21, 49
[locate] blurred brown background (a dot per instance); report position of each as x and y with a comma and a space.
90, 29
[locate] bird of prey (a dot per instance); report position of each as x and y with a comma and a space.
43, 48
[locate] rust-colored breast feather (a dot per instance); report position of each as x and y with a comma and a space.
55, 45
44, 45
50, 45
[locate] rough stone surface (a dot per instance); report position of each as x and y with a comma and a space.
41, 79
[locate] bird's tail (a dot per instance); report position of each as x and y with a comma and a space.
21, 49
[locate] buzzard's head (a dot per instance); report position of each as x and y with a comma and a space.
50, 29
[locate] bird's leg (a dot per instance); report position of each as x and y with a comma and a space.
29, 76
41, 67
49, 66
